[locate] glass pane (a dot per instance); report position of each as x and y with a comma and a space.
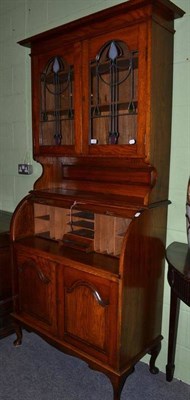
114, 86
57, 113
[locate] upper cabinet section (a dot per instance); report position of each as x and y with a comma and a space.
92, 90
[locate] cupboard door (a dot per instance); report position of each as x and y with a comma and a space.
117, 97
90, 314
56, 108
37, 291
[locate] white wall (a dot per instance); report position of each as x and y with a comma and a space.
23, 18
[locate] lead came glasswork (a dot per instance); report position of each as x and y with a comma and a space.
57, 112
113, 54
57, 134
114, 81
131, 106
56, 67
113, 51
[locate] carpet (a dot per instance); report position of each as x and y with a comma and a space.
38, 371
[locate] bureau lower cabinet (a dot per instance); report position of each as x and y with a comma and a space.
88, 241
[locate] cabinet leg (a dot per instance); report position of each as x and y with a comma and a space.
118, 383
173, 325
154, 354
18, 331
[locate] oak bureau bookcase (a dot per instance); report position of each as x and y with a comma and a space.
88, 241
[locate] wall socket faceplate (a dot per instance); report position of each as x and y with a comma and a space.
25, 169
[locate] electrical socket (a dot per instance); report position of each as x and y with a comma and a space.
25, 169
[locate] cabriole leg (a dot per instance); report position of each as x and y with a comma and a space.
154, 354
118, 383
18, 331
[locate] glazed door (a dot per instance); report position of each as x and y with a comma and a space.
116, 92
89, 314
37, 291
57, 100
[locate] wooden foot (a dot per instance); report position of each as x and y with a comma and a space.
154, 354
18, 330
118, 383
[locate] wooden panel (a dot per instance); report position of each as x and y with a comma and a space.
112, 181
22, 223
37, 290
108, 174
105, 234
161, 70
138, 192
90, 305
121, 226
143, 280
60, 223
75, 308
51, 220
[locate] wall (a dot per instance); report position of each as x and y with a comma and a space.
24, 18
179, 175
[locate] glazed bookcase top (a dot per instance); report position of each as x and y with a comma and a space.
90, 137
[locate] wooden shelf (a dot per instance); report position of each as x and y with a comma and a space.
83, 214
83, 224
82, 232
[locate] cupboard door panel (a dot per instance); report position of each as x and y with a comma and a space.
115, 63
80, 299
57, 96
37, 290
90, 313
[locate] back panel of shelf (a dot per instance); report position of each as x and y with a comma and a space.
82, 230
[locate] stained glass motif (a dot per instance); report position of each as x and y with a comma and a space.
56, 66
57, 103
114, 78
113, 51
